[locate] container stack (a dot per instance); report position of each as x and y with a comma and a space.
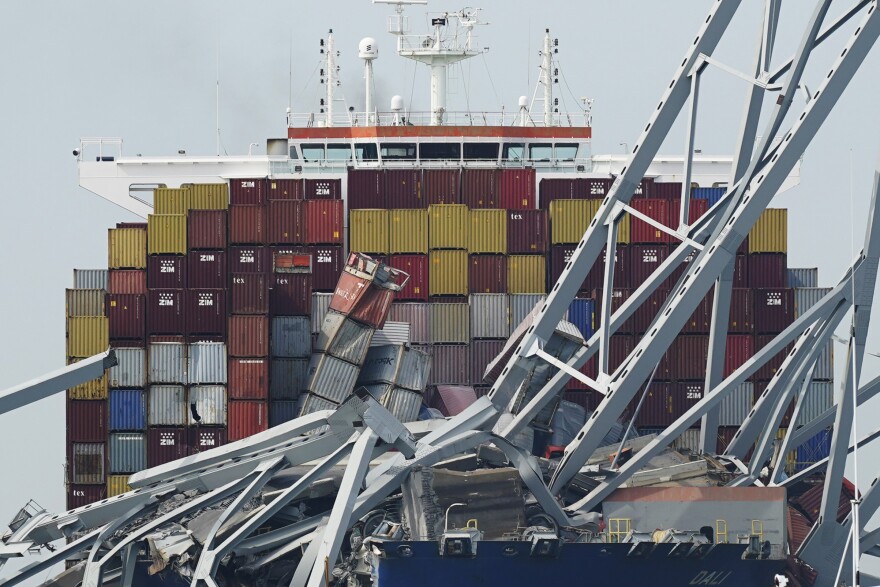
396, 375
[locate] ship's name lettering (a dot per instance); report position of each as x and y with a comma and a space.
710, 578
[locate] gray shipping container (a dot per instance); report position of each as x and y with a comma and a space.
128, 452
449, 364
344, 339
689, 441
210, 405
291, 337
167, 405
521, 305
87, 466
84, 302
320, 307
806, 297
391, 333
819, 397
402, 403
824, 369
418, 317
312, 403
396, 365
167, 362
803, 277
287, 378
450, 323
331, 378
90, 279
734, 408
489, 315
206, 362
131, 368
568, 420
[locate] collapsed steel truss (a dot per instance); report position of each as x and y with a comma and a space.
361, 430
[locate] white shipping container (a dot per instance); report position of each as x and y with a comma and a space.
521, 305
417, 315
450, 323
391, 333
819, 397
320, 307
331, 378
803, 277
489, 314
167, 362
131, 368
167, 405
90, 279
210, 405
403, 404
206, 362
807, 297
344, 339
734, 408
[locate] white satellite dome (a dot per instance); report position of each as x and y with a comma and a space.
396, 103
523, 101
368, 49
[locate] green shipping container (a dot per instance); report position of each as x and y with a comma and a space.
448, 226
488, 231
368, 231
127, 248
448, 273
525, 274
408, 231
166, 234
450, 323
170, 201
87, 336
770, 232
207, 196
84, 302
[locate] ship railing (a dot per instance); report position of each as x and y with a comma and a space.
108, 148
352, 118
292, 166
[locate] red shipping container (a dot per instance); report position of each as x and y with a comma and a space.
768, 369
350, 289
374, 307
323, 221
249, 293
246, 418
165, 313
165, 445
126, 315
86, 420
644, 260
658, 407
560, 255
166, 272
588, 399
247, 225
516, 188
576, 384
247, 191
206, 312
739, 349
619, 348
700, 321
206, 229
416, 288
82, 495
641, 231
685, 396
773, 309
550, 189
206, 270
479, 188
403, 190
592, 188
619, 296
696, 208
290, 294
487, 274
249, 260
666, 190
689, 353
646, 313
644, 189
596, 276
248, 378
767, 269
741, 319
482, 352
285, 222
441, 186
366, 189
127, 281
527, 232
284, 189
202, 439
322, 189
248, 336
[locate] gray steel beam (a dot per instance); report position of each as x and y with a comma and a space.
784, 444
820, 465
56, 556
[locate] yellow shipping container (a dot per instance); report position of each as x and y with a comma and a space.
408, 231
525, 274
770, 232
166, 234
448, 226
488, 231
84, 302
368, 231
117, 485
569, 219
87, 336
94, 389
623, 230
207, 196
448, 273
791, 457
127, 248
170, 201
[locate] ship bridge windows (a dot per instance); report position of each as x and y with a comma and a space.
513, 152
540, 151
339, 152
566, 151
398, 151
312, 152
481, 151
366, 152
435, 151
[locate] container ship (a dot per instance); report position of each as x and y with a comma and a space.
395, 259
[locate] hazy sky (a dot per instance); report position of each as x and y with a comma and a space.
147, 72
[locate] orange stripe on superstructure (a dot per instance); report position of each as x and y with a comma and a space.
401, 132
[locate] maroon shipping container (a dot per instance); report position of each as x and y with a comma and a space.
700, 321
666, 190
592, 188
619, 348
366, 189
479, 188
86, 420
374, 307
249, 293
139, 225
126, 315
284, 189
644, 260
290, 294
619, 296
166, 272
441, 186
768, 369
206, 229
322, 189
284, 222
248, 336
487, 274
741, 319
206, 269
645, 314
206, 312
527, 232
596, 276
658, 407
739, 349
403, 189
248, 378
416, 288
327, 263
560, 255
685, 395
247, 191
449, 364
323, 221
246, 418
696, 208
200, 439
773, 309
642, 232
165, 445
482, 352
550, 189
127, 281
689, 354
587, 399
576, 384
644, 189
165, 313
767, 269
249, 260
247, 225
740, 271
82, 495
516, 188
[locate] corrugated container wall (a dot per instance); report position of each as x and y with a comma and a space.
210, 405
285, 189
166, 234
516, 188
128, 452
527, 232
206, 362
251, 191
521, 305
441, 186
369, 231
807, 297
770, 232
323, 221
127, 281
291, 337
418, 318
86, 421
90, 279
206, 229
448, 226
248, 378
130, 369
166, 271
487, 274
128, 409
247, 418
449, 323
482, 353
127, 248
402, 189
248, 336
488, 231
331, 378
247, 225
417, 268
408, 231
449, 364
569, 219
489, 314
479, 188
126, 314
84, 302
526, 274
86, 462
322, 189
167, 362
87, 336
366, 188
284, 222
802, 277
767, 269
94, 389
117, 485
165, 445
170, 201
287, 378
320, 307
448, 273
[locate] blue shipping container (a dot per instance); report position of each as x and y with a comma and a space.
580, 313
281, 412
127, 409
711, 194
813, 450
